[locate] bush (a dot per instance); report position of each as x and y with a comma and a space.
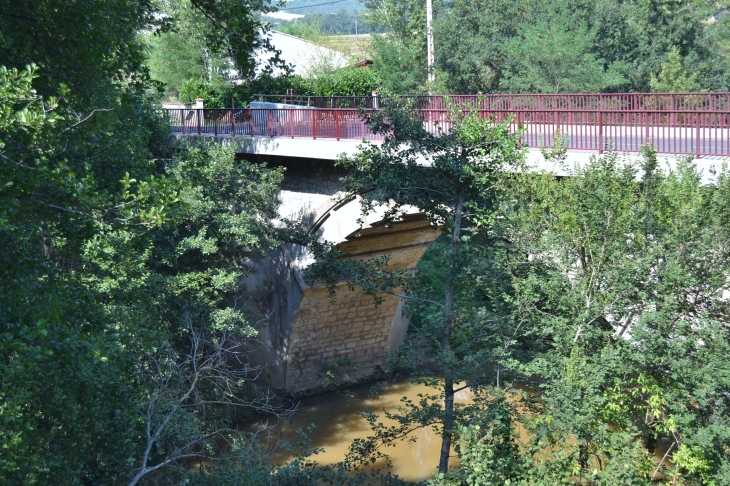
345, 82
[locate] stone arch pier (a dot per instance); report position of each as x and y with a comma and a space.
304, 333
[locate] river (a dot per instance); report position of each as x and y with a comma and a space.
337, 422
335, 416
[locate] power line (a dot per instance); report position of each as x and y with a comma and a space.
315, 5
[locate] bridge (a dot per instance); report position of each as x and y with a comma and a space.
305, 334
695, 124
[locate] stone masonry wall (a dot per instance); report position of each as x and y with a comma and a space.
324, 332
353, 327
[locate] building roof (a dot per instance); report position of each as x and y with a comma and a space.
302, 54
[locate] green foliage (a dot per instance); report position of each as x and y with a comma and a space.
339, 22
488, 451
226, 28
304, 30
88, 47
223, 94
176, 59
398, 64
548, 46
627, 310
66, 375
399, 56
343, 82
334, 369
209, 41
111, 248
673, 78
554, 56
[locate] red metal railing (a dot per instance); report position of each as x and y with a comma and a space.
294, 123
570, 101
692, 132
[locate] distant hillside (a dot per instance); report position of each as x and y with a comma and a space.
303, 6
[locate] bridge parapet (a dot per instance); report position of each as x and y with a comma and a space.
696, 124
706, 102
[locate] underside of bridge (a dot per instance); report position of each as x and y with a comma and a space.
310, 340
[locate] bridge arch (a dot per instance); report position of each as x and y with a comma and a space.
304, 332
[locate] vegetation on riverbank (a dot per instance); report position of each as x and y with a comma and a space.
605, 292
121, 304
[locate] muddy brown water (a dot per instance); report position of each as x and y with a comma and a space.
337, 420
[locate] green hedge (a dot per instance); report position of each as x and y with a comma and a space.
345, 82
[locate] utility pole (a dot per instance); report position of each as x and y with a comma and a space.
429, 39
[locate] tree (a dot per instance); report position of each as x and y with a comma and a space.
65, 375
673, 78
623, 289
450, 177
228, 29
608, 276
554, 56
175, 59
469, 37
399, 64
107, 234
481, 42
208, 41
191, 368
399, 43
601, 293
92, 48
175, 381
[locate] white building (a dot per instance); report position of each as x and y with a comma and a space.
307, 58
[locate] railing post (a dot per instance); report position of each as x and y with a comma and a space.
314, 124
601, 104
646, 132
337, 124
697, 134
182, 122
199, 106
215, 123
270, 122
291, 122
571, 107
600, 129
250, 122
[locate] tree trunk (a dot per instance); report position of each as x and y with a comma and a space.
446, 344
